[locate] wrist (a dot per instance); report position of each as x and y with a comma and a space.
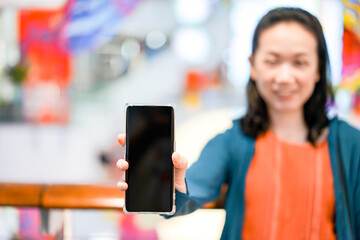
181, 187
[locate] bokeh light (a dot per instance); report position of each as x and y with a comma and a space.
130, 49
192, 12
191, 45
155, 40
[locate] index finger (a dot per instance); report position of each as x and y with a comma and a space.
121, 139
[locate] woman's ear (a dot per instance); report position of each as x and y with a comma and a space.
251, 58
252, 70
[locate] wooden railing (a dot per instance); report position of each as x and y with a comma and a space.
68, 196
21, 195
60, 196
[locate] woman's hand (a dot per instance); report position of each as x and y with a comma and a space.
180, 166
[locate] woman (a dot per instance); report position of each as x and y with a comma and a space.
291, 172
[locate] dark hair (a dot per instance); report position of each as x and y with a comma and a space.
256, 121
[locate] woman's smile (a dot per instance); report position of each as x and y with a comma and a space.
284, 96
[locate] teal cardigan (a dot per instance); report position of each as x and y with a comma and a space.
226, 159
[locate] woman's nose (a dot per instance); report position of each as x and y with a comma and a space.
284, 74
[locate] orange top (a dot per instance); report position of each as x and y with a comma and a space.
289, 192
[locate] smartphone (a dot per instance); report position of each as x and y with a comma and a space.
148, 149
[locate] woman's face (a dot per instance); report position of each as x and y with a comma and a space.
285, 66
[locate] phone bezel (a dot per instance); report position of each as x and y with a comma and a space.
125, 157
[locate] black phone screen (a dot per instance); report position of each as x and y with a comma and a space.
149, 146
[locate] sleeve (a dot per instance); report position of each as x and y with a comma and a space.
349, 142
206, 176
357, 201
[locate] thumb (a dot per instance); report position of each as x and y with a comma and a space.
180, 166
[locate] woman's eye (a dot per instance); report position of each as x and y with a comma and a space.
300, 63
270, 62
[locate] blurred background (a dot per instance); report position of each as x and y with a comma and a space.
68, 67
